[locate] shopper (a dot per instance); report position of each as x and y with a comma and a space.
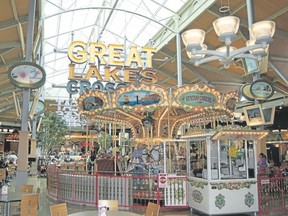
91, 162
262, 162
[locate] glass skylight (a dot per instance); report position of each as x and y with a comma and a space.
130, 22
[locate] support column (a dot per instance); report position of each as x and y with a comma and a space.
22, 161
33, 138
178, 48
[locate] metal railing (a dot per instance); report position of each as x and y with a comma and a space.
272, 193
132, 191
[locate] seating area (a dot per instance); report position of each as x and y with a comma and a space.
59, 209
29, 205
46, 206
29, 198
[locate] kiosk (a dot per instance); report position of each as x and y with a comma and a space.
222, 170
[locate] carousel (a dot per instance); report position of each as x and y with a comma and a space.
151, 136
141, 122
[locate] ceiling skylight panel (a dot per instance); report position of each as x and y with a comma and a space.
152, 28
117, 23
174, 5
141, 9
64, 41
163, 15
51, 7
147, 12
85, 35
114, 39
56, 79
51, 73
149, 31
57, 43
79, 20
49, 46
65, 23
112, 36
143, 38
130, 5
50, 27
92, 3
131, 35
52, 69
151, 7
91, 16
138, 21
76, 32
107, 37
87, 24
49, 58
71, 4
63, 65
136, 27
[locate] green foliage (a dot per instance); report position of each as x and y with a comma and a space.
52, 132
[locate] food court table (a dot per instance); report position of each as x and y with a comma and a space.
109, 213
7, 199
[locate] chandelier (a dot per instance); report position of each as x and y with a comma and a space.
226, 28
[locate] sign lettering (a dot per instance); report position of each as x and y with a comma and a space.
107, 66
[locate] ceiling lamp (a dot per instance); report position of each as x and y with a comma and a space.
226, 28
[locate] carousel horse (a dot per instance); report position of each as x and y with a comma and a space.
148, 161
156, 153
145, 155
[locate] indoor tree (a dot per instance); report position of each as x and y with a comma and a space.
52, 133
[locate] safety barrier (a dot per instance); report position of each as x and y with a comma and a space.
132, 191
272, 194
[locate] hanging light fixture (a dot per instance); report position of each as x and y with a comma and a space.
226, 28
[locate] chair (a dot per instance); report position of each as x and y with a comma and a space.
2, 175
59, 209
11, 170
152, 209
26, 188
29, 205
23, 188
111, 204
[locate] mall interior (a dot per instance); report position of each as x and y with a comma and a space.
143, 107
